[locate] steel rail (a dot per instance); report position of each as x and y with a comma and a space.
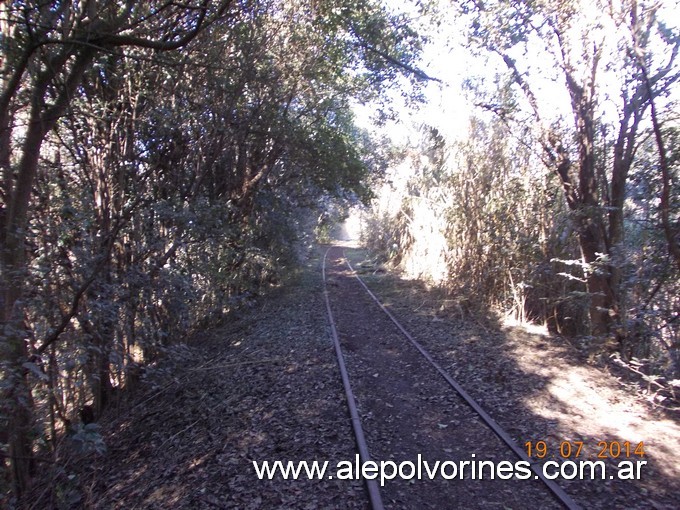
557, 491
371, 485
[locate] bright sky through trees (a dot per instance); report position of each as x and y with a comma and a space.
448, 103
565, 101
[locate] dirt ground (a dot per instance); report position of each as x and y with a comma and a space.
266, 387
408, 410
539, 387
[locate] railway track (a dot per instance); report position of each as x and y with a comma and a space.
404, 405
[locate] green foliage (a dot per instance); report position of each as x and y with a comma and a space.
170, 187
496, 219
553, 210
650, 277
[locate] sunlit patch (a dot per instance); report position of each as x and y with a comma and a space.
194, 463
352, 227
509, 321
586, 402
166, 496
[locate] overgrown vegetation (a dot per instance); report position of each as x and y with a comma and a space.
565, 215
161, 163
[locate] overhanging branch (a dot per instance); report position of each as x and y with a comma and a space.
398, 63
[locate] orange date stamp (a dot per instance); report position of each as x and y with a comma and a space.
574, 449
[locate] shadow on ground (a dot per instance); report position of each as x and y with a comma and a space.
540, 389
266, 387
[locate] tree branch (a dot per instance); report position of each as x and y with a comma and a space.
75, 302
669, 232
398, 63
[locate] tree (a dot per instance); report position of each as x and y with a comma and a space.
585, 44
140, 136
46, 49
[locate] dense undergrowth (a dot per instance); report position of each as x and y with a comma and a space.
485, 223
162, 164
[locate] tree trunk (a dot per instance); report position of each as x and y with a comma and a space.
18, 393
18, 403
601, 296
54, 73
588, 208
